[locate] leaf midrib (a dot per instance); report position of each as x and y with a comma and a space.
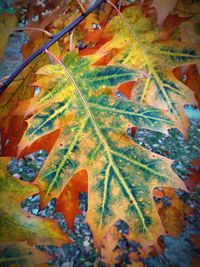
106, 147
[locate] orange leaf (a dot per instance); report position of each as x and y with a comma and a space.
11, 135
172, 216
68, 201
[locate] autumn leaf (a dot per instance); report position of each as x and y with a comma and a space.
17, 225
138, 39
17, 91
8, 22
68, 201
93, 124
172, 215
12, 130
21, 254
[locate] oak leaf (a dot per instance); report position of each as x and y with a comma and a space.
138, 39
93, 124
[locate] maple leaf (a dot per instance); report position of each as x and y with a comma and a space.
17, 225
21, 254
93, 124
138, 40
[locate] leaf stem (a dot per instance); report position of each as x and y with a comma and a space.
55, 38
50, 35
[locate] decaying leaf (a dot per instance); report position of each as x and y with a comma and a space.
93, 123
17, 225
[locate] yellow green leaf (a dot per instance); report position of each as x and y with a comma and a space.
93, 124
141, 48
17, 225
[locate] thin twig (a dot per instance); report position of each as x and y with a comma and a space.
55, 38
